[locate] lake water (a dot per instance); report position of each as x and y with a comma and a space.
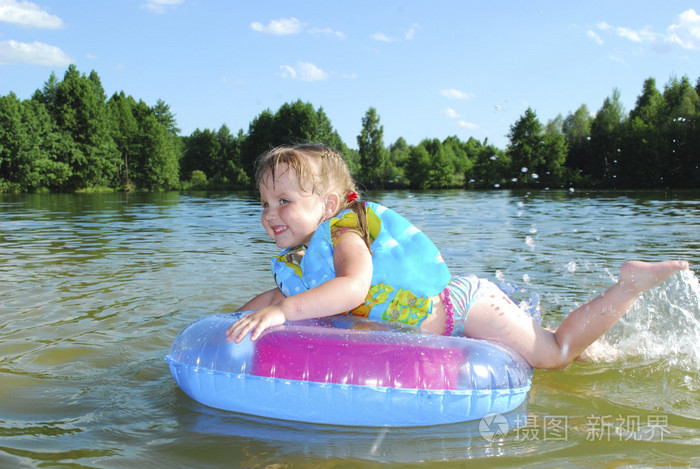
94, 288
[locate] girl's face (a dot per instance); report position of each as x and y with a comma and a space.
290, 215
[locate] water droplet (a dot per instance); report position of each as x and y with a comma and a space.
530, 242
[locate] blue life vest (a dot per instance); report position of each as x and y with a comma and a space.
407, 267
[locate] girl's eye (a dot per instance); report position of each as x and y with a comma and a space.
284, 201
264, 204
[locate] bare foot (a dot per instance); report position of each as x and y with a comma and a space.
638, 277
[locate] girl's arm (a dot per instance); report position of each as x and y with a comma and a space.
353, 268
263, 300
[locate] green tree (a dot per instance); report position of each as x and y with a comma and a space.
259, 139
473, 149
526, 148
554, 151
44, 145
605, 139
67, 137
12, 140
373, 156
202, 152
458, 153
166, 117
419, 165
492, 168
231, 171
577, 131
293, 123
441, 170
399, 153
682, 110
217, 155
48, 94
642, 145
158, 165
149, 151
29, 145
125, 134
325, 133
78, 105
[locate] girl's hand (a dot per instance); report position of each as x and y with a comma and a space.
353, 268
256, 322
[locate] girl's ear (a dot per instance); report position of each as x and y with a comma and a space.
332, 204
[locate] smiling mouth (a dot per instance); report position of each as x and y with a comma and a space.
279, 229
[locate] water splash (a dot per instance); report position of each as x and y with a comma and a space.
664, 326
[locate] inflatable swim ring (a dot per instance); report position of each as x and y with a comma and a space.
347, 370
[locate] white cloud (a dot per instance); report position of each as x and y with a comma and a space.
410, 34
280, 27
288, 26
288, 71
630, 34
35, 53
687, 32
28, 14
159, 6
618, 59
327, 32
591, 34
637, 35
455, 94
451, 113
304, 71
467, 125
381, 37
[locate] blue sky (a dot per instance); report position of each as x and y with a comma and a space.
431, 68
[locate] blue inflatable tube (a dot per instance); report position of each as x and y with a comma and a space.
347, 370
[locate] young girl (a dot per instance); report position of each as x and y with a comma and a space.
342, 255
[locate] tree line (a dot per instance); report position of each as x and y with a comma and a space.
69, 137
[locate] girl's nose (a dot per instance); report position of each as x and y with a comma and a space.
269, 214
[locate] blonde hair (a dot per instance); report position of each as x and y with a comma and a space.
319, 169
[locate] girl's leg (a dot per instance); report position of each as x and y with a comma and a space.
495, 317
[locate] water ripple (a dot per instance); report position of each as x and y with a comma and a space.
94, 287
